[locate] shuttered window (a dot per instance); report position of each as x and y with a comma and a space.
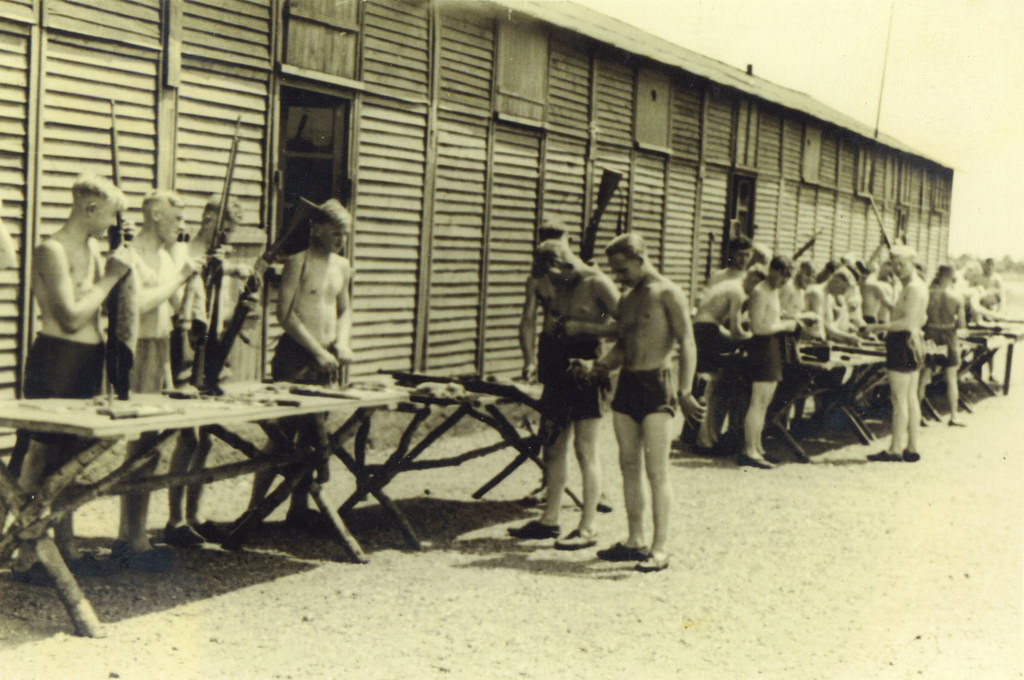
522, 69
653, 98
322, 35
811, 160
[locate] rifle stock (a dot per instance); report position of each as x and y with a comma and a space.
803, 249
609, 182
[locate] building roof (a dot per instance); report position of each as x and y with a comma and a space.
579, 19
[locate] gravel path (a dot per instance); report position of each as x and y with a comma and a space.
836, 569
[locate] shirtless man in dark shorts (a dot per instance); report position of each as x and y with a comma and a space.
70, 283
904, 356
717, 328
315, 310
653, 318
579, 304
765, 356
945, 315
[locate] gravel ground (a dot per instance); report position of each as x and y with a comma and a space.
836, 569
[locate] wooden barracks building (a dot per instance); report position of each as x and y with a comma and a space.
450, 129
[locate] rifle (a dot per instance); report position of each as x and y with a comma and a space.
803, 249
121, 307
609, 182
881, 224
213, 272
248, 302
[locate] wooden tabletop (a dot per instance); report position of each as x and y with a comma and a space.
241, 403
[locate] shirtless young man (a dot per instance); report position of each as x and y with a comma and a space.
653, 319
878, 294
793, 294
579, 304
70, 283
741, 250
717, 328
826, 300
184, 526
904, 356
315, 310
765, 356
945, 315
159, 279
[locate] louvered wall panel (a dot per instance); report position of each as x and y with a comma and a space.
807, 198
396, 46
842, 243
824, 222
935, 254
649, 203
680, 205
847, 165
718, 136
514, 179
79, 84
136, 21
614, 101
828, 171
467, 61
228, 31
792, 147
766, 209
864, 233
564, 167
568, 86
942, 225
769, 142
686, 117
712, 222
14, 51
453, 331
616, 159
387, 235
208, 105
21, 10
786, 231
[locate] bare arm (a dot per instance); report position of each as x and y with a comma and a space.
679, 321
528, 329
735, 327
608, 301
151, 297
53, 275
343, 305
915, 308
291, 277
761, 321
832, 329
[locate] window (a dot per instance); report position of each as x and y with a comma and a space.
741, 209
812, 153
865, 170
522, 70
314, 149
653, 90
322, 35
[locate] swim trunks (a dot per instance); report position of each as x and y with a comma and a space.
294, 363
944, 337
641, 393
904, 351
713, 348
766, 357
565, 398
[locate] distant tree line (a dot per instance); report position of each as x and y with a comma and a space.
1003, 264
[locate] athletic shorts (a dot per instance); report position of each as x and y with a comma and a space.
294, 363
713, 348
945, 337
565, 400
61, 368
766, 357
641, 393
904, 351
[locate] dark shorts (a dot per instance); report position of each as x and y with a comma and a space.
565, 399
713, 349
904, 351
61, 368
641, 393
293, 363
766, 356
868, 318
945, 337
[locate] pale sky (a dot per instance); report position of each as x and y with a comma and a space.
954, 86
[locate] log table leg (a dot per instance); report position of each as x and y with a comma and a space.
1009, 366
70, 593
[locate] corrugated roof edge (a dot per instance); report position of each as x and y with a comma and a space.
603, 28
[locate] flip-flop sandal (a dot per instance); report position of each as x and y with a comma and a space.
534, 530
577, 540
622, 553
211, 532
653, 562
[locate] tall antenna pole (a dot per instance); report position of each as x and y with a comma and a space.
885, 63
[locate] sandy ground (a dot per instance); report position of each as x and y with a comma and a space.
835, 569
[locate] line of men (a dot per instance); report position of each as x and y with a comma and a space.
71, 279
745, 305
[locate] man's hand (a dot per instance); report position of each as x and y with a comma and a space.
329, 366
343, 353
691, 407
191, 266
119, 262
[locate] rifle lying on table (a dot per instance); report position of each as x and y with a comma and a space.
212, 275
122, 303
248, 301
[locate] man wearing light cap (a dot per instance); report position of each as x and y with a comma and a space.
904, 356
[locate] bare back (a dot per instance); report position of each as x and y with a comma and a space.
721, 303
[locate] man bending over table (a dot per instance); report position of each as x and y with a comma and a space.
579, 304
70, 282
315, 311
904, 356
652, 318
